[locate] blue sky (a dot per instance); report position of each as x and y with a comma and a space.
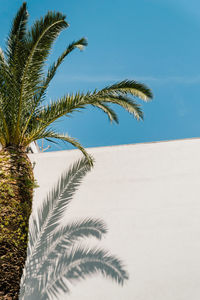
152, 41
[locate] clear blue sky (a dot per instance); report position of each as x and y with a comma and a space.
156, 42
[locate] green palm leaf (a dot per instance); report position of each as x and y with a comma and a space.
16, 38
23, 84
39, 41
130, 87
80, 44
112, 116
115, 94
50, 134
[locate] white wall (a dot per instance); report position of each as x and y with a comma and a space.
149, 196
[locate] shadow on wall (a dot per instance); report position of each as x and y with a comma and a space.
55, 257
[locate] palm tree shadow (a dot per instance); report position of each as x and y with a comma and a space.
55, 256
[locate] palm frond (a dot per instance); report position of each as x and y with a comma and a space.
63, 106
80, 44
132, 87
4, 131
124, 101
39, 42
7, 94
50, 134
15, 58
72, 141
71, 103
17, 32
112, 116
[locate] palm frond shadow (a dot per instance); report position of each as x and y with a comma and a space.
55, 259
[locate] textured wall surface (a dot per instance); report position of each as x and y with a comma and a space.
149, 196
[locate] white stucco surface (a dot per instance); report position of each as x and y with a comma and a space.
149, 196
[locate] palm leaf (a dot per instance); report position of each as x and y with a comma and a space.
130, 87
112, 116
50, 134
17, 32
39, 41
125, 102
115, 94
80, 44
15, 59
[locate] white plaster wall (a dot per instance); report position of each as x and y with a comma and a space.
149, 196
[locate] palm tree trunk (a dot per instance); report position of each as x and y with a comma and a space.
16, 193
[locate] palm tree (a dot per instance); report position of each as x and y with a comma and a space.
24, 118
55, 256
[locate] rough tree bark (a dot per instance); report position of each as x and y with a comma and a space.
16, 193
